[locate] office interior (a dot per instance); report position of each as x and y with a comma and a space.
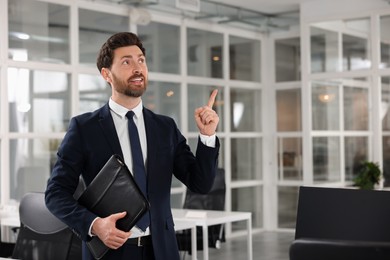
303, 95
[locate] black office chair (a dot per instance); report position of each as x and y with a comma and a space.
42, 236
214, 200
6, 249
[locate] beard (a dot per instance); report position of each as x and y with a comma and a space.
125, 87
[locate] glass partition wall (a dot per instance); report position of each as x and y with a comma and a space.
346, 94
50, 76
289, 137
384, 81
340, 121
328, 105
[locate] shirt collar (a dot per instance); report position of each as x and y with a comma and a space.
121, 110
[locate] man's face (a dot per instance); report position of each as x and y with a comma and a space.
129, 73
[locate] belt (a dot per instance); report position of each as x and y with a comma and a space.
140, 241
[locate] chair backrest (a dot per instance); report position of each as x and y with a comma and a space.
42, 236
214, 200
343, 214
31, 179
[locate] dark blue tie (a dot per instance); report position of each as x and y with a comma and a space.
138, 165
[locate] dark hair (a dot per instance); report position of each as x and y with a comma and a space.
122, 39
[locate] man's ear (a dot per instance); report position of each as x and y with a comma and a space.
106, 74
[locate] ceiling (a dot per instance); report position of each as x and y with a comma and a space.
259, 15
266, 6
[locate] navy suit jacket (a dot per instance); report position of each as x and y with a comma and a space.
90, 141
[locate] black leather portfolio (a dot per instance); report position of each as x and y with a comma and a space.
112, 191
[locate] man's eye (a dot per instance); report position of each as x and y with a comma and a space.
125, 62
141, 61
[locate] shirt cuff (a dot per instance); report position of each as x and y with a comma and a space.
208, 140
90, 228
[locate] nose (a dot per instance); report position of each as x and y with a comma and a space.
136, 68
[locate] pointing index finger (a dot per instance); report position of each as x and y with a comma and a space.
211, 101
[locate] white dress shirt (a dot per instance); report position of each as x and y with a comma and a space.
118, 113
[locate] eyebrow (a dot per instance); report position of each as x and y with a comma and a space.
131, 56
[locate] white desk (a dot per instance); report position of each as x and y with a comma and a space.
9, 218
182, 221
212, 217
10, 221
181, 225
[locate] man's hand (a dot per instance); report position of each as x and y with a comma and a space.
206, 118
106, 230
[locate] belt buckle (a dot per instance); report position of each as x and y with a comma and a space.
139, 244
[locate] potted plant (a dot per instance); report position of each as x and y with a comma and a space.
368, 175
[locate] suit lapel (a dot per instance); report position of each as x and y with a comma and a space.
107, 124
151, 139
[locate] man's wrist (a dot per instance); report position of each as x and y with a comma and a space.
208, 140
90, 231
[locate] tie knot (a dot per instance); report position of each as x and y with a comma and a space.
130, 115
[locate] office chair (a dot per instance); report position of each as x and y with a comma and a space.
6, 249
214, 200
42, 236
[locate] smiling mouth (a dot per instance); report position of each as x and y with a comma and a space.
136, 80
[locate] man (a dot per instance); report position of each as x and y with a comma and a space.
93, 137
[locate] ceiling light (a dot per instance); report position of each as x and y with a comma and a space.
20, 35
326, 98
190, 5
140, 16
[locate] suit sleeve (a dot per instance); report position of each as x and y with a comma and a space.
196, 172
64, 180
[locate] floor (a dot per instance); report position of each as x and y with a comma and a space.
266, 246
